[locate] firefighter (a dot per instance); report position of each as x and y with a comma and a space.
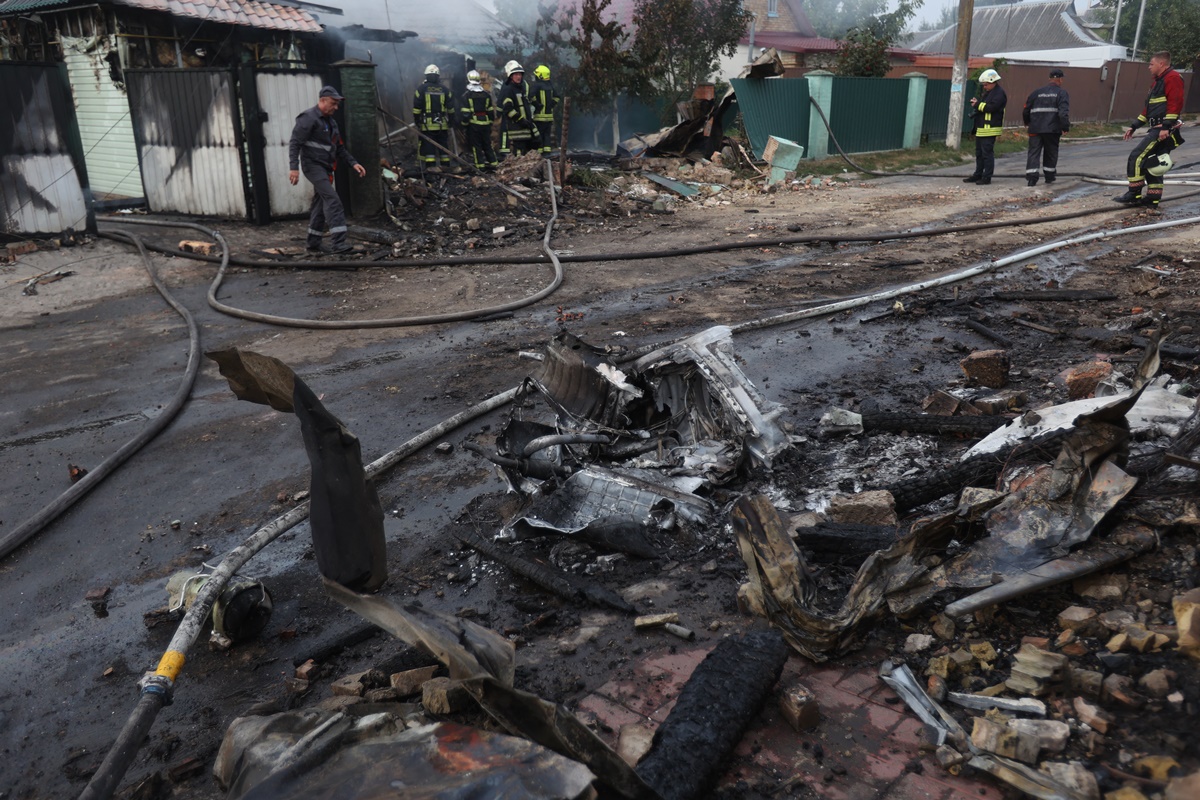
1047, 114
988, 124
477, 114
545, 101
317, 142
516, 112
1151, 159
433, 113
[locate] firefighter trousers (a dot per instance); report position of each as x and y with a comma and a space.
1150, 145
545, 135
479, 141
431, 156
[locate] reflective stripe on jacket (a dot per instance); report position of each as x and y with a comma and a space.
1164, 104
516, 111
1048, 110
477, 107
433, 106
318, 139
989, 112
544, 100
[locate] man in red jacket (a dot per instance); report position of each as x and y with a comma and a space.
1150, 160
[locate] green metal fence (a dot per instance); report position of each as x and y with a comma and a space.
867, 114
937, 109
775, 107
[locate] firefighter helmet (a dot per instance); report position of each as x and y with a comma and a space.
432, 70
1159, 165
989, 76
513, 67
542, 73
474, 77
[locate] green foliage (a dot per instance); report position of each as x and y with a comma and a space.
604, 64
1171, 25
547, 41
998, 64
862, 54
679, 43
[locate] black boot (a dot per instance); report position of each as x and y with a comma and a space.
983, 181
1129, 198
1034, 182
971, 179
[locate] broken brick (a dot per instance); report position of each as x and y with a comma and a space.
348, 686
15, 249
1081, 381
999, 403
1080, 619
987, 368
1102, 587
307, 670
799, 707
1157, 683
385, 694
876, 507
202, 248
409, 682
1187, 619
1118, 689
444, 696
1093, 716
1036, 672
1004, 740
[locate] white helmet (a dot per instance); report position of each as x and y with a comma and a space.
989, 76
513, 67
1159, 165
474, 77
432, 70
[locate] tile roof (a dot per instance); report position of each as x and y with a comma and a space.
235, 12
272, 16
1007, 28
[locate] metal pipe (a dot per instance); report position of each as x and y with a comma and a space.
542, 442
1137, 36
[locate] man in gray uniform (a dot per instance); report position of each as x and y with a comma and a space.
317, 138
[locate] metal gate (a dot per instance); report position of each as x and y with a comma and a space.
42, 178
186, 125
281, 96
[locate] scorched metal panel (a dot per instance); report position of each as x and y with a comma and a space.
283, 95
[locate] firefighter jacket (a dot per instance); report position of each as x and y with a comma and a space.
317, 138
544, 100
433, 107
477, 106
1047, 110
1164, 104
516, 110
989, 112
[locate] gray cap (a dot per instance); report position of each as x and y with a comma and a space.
1056, 73
329, 91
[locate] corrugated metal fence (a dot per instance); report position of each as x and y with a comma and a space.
188, 135
42, 189
867, 114
937, 109
776, 107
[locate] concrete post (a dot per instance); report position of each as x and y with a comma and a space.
820, 89
361, 130
958, 76
914, 115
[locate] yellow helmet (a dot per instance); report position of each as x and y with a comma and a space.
989, 76
512, 68
542, 73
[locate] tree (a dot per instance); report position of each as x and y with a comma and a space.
546, 41
679, 42
604, 64
862, 54
864, 51
834, 18
1171, 25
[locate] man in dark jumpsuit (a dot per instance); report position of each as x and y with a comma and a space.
1047, 114
1164, 104
316, 138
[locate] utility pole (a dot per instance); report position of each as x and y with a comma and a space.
1137, 36
958, 78
1117, 23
